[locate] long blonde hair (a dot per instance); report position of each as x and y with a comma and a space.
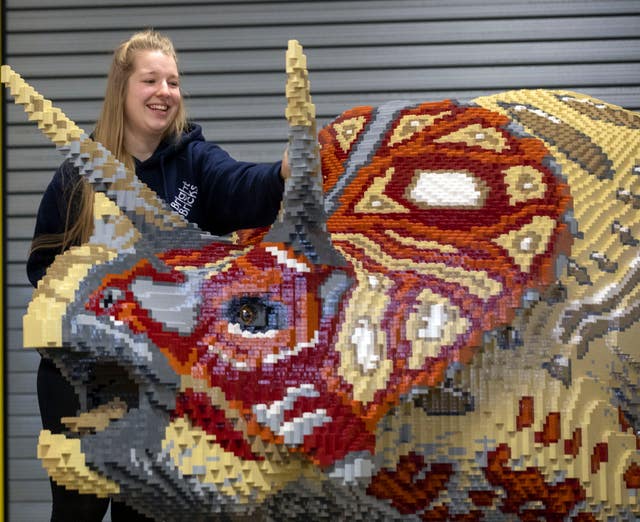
109, 131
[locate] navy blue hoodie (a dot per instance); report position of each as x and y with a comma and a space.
196, 178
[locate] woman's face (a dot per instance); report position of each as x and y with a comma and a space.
153, 95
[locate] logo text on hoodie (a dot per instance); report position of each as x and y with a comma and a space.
185, 198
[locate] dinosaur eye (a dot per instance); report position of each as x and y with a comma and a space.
255, 314
248, 314
109, 297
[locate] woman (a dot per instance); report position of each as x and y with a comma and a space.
143, 122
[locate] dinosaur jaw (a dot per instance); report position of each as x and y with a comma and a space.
64, 461
98, 418
107, 396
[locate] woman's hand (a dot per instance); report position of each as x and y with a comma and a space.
285, 171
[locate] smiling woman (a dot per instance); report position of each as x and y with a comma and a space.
143, 122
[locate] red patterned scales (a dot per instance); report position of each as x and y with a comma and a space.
450, 207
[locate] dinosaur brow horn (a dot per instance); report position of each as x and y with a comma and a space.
94, 162
302, 220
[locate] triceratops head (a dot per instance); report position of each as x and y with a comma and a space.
213, 373
160, 326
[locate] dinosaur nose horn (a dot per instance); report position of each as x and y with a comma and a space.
302, 220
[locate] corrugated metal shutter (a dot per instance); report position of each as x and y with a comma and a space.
232, 57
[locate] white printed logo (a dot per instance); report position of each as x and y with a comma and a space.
185, 198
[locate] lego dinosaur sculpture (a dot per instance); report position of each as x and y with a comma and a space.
441, 324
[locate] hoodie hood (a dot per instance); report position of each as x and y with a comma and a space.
165, 161
169, 148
